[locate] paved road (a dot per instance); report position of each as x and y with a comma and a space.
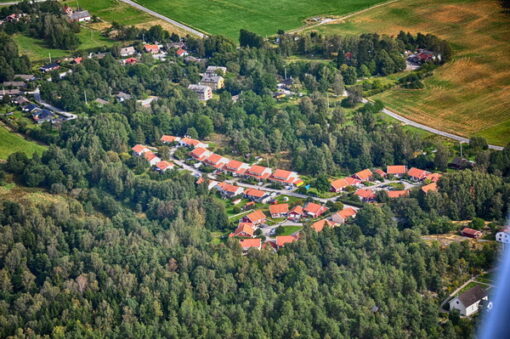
429, 129
16, 2
40, 101
164, 18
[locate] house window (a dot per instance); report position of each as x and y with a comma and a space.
457, 301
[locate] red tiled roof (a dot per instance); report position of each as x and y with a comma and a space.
163, 165
397, 194
252, 192
281, 174
279, 209
297, 210
228, 187
417, 173
168, 138
256, 216
429, 187
319, 225
214, 158
250, 243
315, 209
139, 148
380, 172
281, 240
339, 184
151, 48
347, 212
180, 51
198, 152
190, 142
244, 227
149, 156
470, 231
365, 193
352, 181
396, 169
434, 177
257, 170
364, 175
200, 180
233, 165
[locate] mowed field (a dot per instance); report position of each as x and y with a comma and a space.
11, 142
470, 95
265, 17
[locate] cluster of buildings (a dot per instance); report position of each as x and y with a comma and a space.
152, 158
212, 80
394, 171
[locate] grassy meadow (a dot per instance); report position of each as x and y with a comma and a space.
470, 95
12, 142
265, 17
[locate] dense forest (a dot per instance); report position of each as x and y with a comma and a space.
112, 251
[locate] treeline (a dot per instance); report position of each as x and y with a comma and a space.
42, 20
11, 62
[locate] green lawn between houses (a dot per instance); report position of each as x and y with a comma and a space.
264, 17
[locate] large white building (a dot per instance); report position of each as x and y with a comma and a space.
468, 303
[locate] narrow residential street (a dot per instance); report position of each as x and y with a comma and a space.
40, 101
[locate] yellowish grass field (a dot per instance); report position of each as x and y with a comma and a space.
470, 95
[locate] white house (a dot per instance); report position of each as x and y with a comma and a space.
468, 302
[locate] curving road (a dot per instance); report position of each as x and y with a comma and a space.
428, 128
164, 18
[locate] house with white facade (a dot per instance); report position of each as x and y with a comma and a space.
468, 303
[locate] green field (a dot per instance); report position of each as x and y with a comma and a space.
11, 142
468, 96
265, 17
36, 50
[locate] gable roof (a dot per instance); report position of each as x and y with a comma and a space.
339, 184
365, 193
256, 216
278, 208
214, 158
169, 138
228, 187
364, 175
234, 165
244, 227
163, 165
396, 169
434, 177
417, 173
314, 208
181, 51
430, 187
380, 172
139, 148
281, 240
250, 243
199, 153
252, 192
282, 174
397, 194
470, 231
151, 48
347, 212
319, 225
257, 170
297, 210
190, 142
472, 295
149, 155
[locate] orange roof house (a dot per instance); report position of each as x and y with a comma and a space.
365, 194
255, 217
164, 166
296, 213
258, 172
254, 194
200, 153
279, 210
365, 175
319, 225
432, 187
380, 172
338, 185
139, 149
281, 240
245, 229
434, 177
397, 194
286, 177
229, 190
168, 139
246, 244
314, 210
236, 167
469, 232
341, 216
151, 48
397, 170
417, 174
216, 160
188, 142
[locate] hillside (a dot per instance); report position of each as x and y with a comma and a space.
468, 96
264, 17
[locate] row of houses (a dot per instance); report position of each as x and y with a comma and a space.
158, 164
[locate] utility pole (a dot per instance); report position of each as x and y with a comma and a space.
85, 93
460, 148
49, 54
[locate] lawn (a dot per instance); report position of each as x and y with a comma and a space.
114, 10
289, 230
264, 17
36, 49
469, 96
11, 142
